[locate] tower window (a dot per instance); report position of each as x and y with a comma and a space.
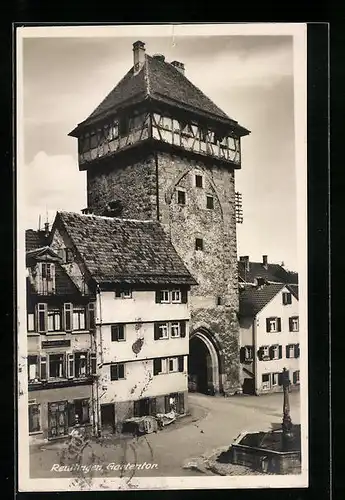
198, 181
199, 244
181, 197
210, 202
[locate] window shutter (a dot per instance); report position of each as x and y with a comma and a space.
297, 351
121, 331
93, 363
180, 363
114, 372
136, 409
260, 353
280, 352
118, 293
158, 296
290, 325
279, 324
167, 404
91, 316
43, 368
184, 296
271, 352
287, 351
182, 329
268, 329
68, 309
294, 377
70, 366
280, 379
156, 331
284, 298
157, 366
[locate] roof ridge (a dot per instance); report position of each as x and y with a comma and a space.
107, 217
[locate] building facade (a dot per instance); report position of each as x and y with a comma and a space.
270, 333
141, 313
157, 148
61, 361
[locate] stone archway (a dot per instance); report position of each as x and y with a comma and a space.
204, 373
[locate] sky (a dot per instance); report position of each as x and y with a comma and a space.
249, 77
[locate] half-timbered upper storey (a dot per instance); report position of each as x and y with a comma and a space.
156, 102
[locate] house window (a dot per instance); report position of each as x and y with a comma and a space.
290, 351
198, 181
163, 330
199, 244
47, 271
126, 293
181, 197
175, 329
117, 371
56, 365
275, 379
175, 296
210, 202
31, 322
80, 364
78, 318
294, 324
287, 298
70, 366
159, 366
173, 365
34, 418
41, 318
113, 131
69, 255
117, 333
265, 354
295, 377
54, 320
164, 296
93, 363
248, 352
33, 369
266, 381
275, 352
273, 325
124, 126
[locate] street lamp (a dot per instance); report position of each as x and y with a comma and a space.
286, 424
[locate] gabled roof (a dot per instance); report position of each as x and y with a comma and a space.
294, 290
34, 239
253, 299
159, 81
42, 254
273, 273
124, 251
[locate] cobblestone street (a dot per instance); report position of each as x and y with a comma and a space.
214, 422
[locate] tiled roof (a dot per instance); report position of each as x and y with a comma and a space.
294, 290
274, 272
124, 251
253, 299
34, 239
159, 81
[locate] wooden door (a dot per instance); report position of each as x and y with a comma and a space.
57, 419
108, 418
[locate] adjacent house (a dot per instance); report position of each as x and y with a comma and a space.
270, 333
61, 359
141, 312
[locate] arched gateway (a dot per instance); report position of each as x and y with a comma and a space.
204, 364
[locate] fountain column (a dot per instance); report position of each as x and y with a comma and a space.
286, 424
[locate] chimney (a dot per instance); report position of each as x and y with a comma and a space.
179, 66
245, 260
138, 55
265, 261
159, 57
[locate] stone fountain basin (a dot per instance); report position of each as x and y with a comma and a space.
264, 451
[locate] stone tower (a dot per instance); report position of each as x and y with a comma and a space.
158, 148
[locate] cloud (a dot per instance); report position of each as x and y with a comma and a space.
51, 183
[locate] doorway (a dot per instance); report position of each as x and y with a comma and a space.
57, 419
108, 418
203, 365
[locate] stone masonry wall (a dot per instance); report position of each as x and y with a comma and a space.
215, 268
134, 184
